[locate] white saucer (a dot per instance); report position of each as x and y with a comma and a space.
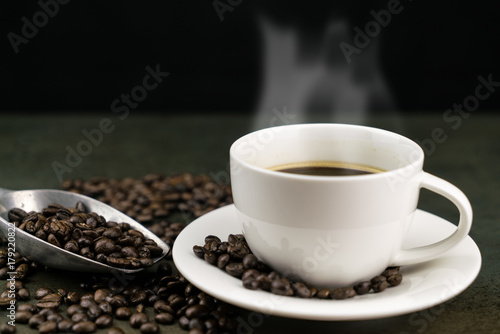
423, 286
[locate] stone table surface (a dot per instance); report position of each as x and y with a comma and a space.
34, 149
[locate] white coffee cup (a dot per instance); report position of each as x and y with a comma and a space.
335, 231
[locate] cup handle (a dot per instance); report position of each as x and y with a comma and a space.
429, 252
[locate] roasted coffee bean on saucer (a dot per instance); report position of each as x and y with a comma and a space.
234, 257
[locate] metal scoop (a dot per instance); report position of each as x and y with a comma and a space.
52, 256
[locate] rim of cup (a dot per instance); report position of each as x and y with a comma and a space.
415, 160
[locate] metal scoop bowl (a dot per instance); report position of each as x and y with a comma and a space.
44, 253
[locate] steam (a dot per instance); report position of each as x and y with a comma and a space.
315, 83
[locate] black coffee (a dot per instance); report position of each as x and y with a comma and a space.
326, 169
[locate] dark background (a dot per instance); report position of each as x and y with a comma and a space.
90, 52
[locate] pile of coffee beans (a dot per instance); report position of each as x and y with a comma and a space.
172, 298
154, 298
165, 204
169, 296
235, 257
14, 289
155, 195
89, 235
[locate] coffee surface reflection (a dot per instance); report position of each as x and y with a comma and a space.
326, 168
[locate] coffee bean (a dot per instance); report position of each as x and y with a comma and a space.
41, 235
379, 283
23, 316
100, 295
118, 262
227, 324
223, 260
250, 261
47, 311
136, 234
251, 283
390, 272
239, 250
363, 287
80, 207
65, 325
165, 318
36, 320
26, 307
14, 284
131, 289
62, 292
149, 328
16, 214
72, 297
154, 250
80, 317
84, 327
4, 273
104, 320
52, 300
130, 251
235, 269
250, 273
162, 306
47, 327
146, 262
105, 307
123, 313
191, 290
196, 323
210, 238
72, 246
5, 294
178, 302
6, 328
138, 297
196, 311
117, 301
88, 295
52, 239
264, 282
184, 322
393, 280
74, 309
23, 294
105, 246
301, 290
113, 232
206, 300
210, 257
55, 317
21, 271
281, 287
211, 324
93, 310
152, 298
115, 330
232, 239
137, 319
343, 293
323, 293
